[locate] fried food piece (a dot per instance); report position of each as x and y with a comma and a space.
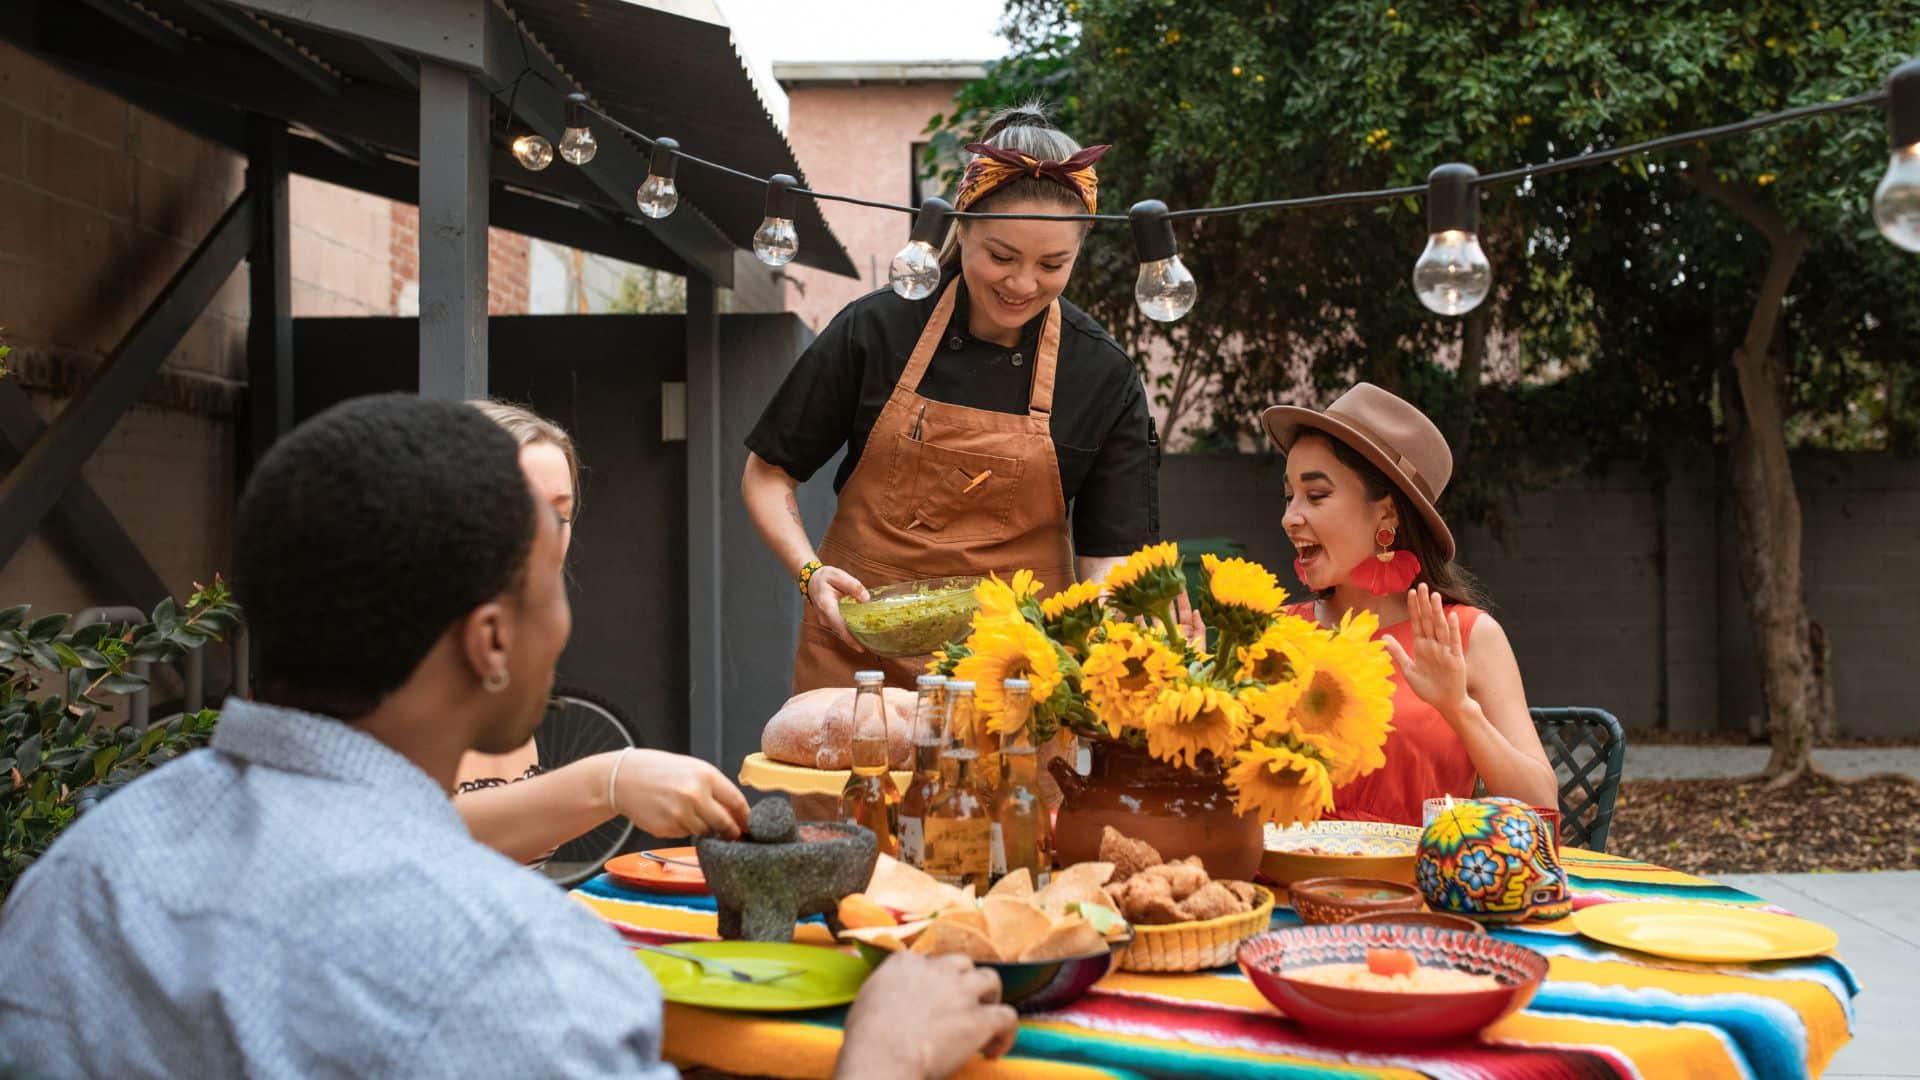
1183, 879
1128, 856
1211, 902
1158, 909
1245, 891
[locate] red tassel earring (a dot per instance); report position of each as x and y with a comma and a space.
1387, 571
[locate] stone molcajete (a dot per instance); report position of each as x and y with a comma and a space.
783, 871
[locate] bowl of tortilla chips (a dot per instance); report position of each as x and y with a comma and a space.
1048, 945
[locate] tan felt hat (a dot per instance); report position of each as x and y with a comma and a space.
1392, 434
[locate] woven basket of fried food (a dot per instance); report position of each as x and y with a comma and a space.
1183, 919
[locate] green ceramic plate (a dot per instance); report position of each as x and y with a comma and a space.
823, 977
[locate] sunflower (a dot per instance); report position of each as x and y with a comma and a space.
1079, 595
1124, 673
1270, 708
1346, 696
1242, 584
1280, 783
1277, 655
1008, 647
1188, 718
1147, 582
1001, 598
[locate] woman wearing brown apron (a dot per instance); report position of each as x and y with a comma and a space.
990, 427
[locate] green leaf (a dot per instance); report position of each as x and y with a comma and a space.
152, 650
93, 659
89, 636
103, 762
166, 615
151, 739
47, 627
68, 658
29, 755
11, 618
123, 684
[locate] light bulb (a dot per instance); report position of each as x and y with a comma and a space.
576, 142
658, 196
577, 145
1452, 275
776, 242
1165, 289
1896, 202
533, 152
915, 271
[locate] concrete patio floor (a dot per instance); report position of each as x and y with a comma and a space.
1878, 919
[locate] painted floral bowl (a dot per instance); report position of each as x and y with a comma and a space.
1276, 962
1364, 849
1333, 900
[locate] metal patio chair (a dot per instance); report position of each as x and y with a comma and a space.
1588, 750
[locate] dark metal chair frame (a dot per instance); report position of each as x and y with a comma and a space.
1588, 749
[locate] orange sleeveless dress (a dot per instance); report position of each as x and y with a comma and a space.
1425, 759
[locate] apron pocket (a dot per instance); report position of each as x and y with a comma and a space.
951, 496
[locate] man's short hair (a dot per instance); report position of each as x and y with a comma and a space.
366, 533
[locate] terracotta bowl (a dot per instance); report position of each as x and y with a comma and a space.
1337, 899
1364, 849
1437, 919
1386, 1016
1043, 985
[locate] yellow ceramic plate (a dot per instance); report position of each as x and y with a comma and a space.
1363, 849
1706, 933
809, 977
762, 773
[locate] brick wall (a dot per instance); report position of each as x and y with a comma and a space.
508, 257
99, 204
1623, 594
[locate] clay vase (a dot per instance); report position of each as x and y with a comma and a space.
1178, 810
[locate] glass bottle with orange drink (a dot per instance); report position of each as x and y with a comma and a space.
869, 797
1022, 836
929, 719
959, 823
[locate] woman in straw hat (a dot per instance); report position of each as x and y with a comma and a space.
1362, 481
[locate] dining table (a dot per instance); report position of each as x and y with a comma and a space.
1601, 1012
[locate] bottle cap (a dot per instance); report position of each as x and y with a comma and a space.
962, 685
868, 678
929, 682
1016, 684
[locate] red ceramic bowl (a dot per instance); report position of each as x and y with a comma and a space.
1386, 1015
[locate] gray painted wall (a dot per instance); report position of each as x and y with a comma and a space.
1625, 595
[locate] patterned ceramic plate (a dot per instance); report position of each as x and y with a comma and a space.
1364, 849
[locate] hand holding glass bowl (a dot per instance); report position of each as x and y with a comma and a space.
912, 618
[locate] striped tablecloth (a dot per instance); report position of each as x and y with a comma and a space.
1601, 1013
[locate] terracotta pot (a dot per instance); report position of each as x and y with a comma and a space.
1178, 810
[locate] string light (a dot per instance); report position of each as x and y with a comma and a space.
658, 195
1896, 202
1452, 275
576, 143
776, 242
915, 270
1165, 289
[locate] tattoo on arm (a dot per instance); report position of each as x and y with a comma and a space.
793, 510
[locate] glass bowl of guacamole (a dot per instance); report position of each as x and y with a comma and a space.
912, 618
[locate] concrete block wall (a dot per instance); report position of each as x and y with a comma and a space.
100, 203
1623, 592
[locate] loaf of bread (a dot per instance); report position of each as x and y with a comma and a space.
815, 729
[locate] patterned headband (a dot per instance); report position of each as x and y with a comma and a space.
995, 168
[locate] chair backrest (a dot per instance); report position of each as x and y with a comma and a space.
1588, 751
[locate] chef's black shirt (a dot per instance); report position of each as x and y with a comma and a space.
1102, 434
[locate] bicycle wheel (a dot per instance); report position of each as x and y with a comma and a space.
579, 725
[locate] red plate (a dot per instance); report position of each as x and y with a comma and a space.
636, 871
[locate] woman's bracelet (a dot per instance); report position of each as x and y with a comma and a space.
806, 574
613, 776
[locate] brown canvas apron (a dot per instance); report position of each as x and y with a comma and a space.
943, 490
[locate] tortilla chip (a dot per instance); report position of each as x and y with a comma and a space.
890, 938
1017, 884
949, 935
858, 910
910, 890
970, 916
1094, 873
1069, 937
1014, 925
1055, 898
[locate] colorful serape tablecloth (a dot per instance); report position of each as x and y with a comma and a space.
1602, 1012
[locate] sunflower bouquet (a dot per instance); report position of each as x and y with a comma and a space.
1282, 709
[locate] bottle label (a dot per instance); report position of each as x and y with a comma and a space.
998, 861
913, 842
957, 848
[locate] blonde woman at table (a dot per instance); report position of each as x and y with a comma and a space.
508, 802
1362, 481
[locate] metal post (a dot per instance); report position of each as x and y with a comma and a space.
269, 410
454, 160
704, 508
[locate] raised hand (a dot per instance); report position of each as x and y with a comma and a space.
1437, 670
824, 590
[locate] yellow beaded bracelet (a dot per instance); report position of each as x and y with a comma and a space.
806, 575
